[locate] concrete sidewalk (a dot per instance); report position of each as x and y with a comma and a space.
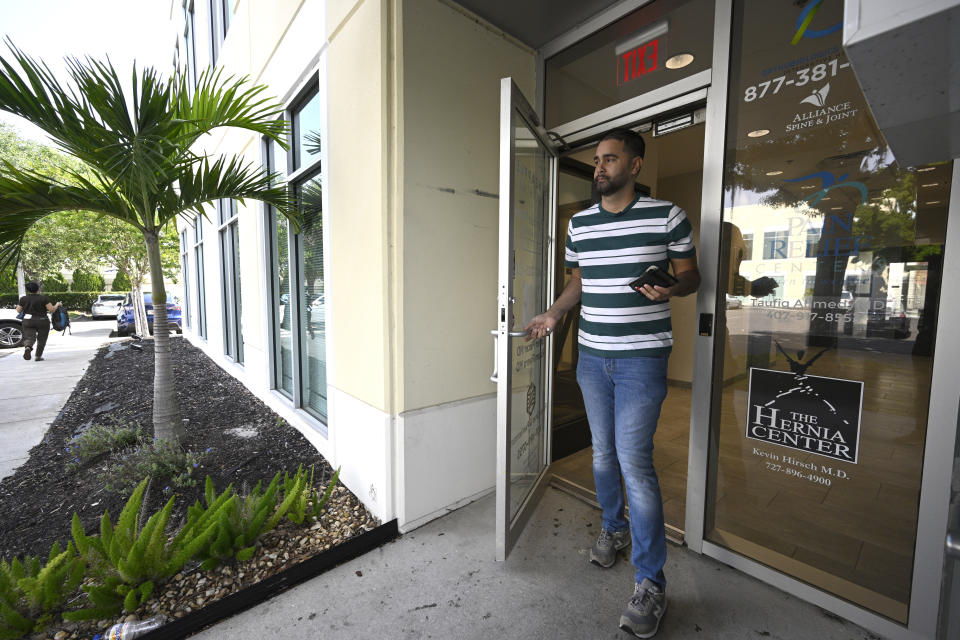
440, 581
32, 393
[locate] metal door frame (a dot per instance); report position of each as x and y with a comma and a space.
508, 529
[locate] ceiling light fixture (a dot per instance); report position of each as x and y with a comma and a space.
808, 186
679, 61
933, 202
932, 184
827, 198
835, 208
925, 169
774, 173
757, 133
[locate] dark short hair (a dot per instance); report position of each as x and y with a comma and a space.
632, 141
32, 287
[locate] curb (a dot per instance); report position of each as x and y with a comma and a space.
266, 589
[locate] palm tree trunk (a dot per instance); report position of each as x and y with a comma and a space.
166, 411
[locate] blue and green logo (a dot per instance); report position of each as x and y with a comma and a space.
804, 20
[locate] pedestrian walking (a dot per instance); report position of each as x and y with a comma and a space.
36, 325
619, 252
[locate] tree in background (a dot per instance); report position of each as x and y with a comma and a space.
84, 281
138, 165
121, 282
54, 282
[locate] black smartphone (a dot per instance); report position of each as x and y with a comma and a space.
654, 275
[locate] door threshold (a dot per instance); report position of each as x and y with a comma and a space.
585, 494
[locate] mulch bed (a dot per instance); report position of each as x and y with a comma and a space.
247, 442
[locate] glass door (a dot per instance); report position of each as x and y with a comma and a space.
528, 169
832, 262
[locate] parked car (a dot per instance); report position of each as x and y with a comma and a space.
11, 329
107, 305
888, 323
734, 302
126, 323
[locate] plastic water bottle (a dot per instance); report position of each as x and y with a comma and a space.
130, 630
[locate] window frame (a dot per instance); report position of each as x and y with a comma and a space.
198, 265
294, 178
190, 43
231, 295
185, 270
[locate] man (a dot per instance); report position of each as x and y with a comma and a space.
36, 324
625, 340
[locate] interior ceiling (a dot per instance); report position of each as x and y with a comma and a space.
536, 22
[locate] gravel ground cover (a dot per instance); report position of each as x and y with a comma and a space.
238, 440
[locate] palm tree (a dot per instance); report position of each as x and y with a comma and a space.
139, 166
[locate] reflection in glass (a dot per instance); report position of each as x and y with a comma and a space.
306, 130
530, 263
238, 296
826, 368
312, 302
283, 308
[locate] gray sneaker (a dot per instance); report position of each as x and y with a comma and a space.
645, 610
605, 549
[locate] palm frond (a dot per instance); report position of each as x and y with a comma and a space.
27, 196
209, 181
228, 102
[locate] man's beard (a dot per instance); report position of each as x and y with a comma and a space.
612, 184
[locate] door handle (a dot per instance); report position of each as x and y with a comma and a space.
496, 340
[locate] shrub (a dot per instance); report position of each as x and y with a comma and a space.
121, 282
84, 281
165, 462
30, 592
56, 282
72, 301
127, 562
99, 440
309, 503
241, 521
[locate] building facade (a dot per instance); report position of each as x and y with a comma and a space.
438, 149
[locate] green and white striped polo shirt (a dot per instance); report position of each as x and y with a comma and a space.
612, 250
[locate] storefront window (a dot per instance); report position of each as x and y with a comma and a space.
655, 45
827, 366
275, 162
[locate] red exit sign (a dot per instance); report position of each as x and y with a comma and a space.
638, 62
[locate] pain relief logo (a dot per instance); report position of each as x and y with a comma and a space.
639, 54
806, 413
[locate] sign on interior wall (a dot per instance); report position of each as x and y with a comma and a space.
808, 413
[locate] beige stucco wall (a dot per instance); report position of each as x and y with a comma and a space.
358, 172
452, 65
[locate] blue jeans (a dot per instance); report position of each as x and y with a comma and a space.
623, 398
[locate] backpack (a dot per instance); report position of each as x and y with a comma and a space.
60, 320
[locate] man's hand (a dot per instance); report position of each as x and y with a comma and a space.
763, 287
657, 293
541, 326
